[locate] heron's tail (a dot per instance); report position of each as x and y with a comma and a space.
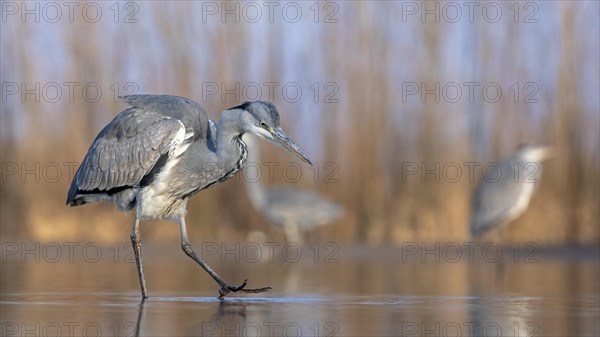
72, 199
123, 197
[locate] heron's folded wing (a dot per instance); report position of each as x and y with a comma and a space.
164, 104
189, 112
127, 149
493, 201
305, 206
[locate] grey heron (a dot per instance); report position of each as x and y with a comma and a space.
504, 197
160, 151
291, 209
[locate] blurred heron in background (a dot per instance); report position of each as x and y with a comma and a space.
499, 201
158, 153
290, 209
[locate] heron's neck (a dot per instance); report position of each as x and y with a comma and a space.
253, 149
229, 136
211, 166
254, 180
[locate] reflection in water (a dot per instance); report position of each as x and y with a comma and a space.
496, 316
140, 316
378, 294
230, 315
226, 308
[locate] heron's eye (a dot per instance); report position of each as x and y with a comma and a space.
263, 125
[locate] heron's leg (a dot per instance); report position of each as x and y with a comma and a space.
292, 233
136, 243
187, 249
225, 288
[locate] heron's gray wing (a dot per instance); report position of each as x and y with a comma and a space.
306, 208
188, 111
493, 201
293, 197
127, 149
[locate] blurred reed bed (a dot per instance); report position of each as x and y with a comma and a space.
371, 131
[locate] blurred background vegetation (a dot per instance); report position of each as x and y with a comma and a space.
357, 64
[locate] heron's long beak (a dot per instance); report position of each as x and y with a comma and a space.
281, 139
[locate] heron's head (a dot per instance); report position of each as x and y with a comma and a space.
535, 153
261, 118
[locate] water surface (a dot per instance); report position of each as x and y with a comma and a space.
360, 292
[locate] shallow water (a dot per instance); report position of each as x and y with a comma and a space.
354, 292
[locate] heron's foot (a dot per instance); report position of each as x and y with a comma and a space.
226, 289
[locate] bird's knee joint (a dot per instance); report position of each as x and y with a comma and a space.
187, 248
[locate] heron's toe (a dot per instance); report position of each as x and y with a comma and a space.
226, 289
